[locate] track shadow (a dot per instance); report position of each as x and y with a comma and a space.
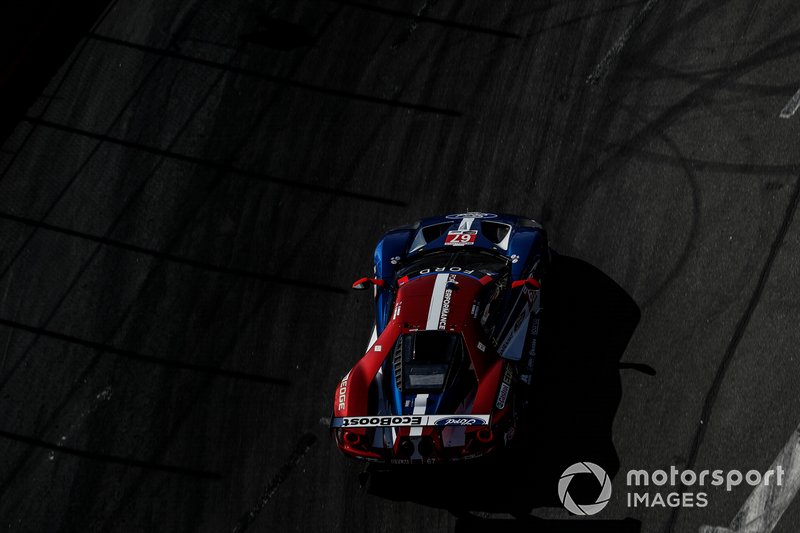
36, 38
588, 322
279, 34
280, 80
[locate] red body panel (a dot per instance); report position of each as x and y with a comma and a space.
444, 301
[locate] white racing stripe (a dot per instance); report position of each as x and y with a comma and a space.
792, 106
466, 223
437, 297
767, 503
420, 404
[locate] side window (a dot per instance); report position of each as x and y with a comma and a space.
489, 307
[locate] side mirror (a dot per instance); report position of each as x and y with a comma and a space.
364, 283
531, 283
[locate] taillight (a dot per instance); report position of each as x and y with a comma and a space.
351, 438
425, 447
484, 435
406, 447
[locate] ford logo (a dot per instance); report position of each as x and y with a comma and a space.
472, 214
459, 421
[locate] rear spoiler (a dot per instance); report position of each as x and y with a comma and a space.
409, 421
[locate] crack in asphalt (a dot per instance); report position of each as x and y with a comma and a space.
301, 448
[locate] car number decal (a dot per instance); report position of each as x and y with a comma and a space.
461, 237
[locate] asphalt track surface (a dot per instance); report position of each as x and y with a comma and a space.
185, 204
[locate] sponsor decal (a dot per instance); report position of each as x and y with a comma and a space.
460, 421
343, 392
481, 347
409, 420
380, 421
532, 351
502, 396
445, 269
448, 295
461, 237
468, 457
514, 330
472, 214
534, 331
529, 365
509, 435
505, 343
505, 388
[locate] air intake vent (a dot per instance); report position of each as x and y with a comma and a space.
397, 362
428, 234
495, 231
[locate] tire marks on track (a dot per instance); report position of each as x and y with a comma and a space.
738, 333
603, 66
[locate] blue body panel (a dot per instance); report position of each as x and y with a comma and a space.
391, 248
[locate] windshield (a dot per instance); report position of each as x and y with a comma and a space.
477, 263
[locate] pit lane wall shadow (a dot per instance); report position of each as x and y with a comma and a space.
587, 323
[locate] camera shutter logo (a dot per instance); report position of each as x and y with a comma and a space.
590, 508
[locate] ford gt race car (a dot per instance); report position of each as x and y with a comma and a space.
457, 311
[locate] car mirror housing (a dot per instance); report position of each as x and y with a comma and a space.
532, 283
364, 283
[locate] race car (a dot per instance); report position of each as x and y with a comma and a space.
457, 317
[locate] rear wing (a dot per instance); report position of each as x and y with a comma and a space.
409, 421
